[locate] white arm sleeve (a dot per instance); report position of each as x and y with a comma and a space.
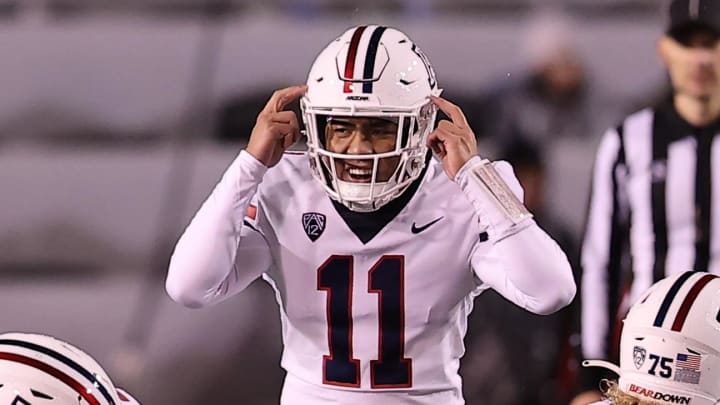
217, 256
523, 263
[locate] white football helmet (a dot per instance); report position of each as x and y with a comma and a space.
37, 369
370, 71
670, 344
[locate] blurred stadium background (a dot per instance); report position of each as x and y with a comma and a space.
118, 117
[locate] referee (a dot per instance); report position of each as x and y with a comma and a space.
655, 204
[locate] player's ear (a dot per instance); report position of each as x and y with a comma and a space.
663, 49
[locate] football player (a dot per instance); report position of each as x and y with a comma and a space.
37, 370
375, 249
670, 345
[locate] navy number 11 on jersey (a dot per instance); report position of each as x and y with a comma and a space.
385, 278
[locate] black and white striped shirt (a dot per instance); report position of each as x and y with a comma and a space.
654, 211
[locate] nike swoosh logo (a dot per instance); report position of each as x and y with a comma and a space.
415, 229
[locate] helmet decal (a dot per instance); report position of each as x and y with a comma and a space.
92, 379
672, 293
432, 79
54, 372
350, 60
363, 66
368, 71
669, 349
689, 300
39, 366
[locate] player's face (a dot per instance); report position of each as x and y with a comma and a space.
362, 136
694, 64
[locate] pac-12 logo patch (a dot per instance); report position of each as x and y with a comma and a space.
639, 356
314, 224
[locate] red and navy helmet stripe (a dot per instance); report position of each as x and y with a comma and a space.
351, 56
672, 293
92, 379
355, 57
369, 69
48, 369
689, 300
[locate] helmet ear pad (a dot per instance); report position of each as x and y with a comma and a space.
376, 72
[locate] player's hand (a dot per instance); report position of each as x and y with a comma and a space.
452, 141
587, 397
275, 129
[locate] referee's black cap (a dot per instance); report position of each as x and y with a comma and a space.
689, 16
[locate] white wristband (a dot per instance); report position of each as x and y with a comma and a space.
484, 173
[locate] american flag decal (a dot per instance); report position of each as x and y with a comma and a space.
687, 368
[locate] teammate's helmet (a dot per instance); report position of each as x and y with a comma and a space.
370, 71
670, 345
37, 369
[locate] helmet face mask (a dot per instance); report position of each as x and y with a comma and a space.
370, 72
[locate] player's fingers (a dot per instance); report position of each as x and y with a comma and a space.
290, 139
280, 130
281, 98
436, 144
294, 122
293, 94
286, 117
450, 127
463, 136
452, 111
447, 135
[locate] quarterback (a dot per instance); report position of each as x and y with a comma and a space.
374, 247
670, 345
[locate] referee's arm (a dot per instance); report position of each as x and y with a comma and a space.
600, 256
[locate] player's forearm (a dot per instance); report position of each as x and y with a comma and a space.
537, 275
525, 264
484, 197
202, 264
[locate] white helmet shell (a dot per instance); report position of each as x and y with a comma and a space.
371, 71
38, 369
670, 344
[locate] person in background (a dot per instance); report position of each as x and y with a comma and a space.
548, 101
654, 207
670, 345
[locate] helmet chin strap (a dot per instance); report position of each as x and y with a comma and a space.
352, 192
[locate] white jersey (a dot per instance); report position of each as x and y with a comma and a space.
374, 306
